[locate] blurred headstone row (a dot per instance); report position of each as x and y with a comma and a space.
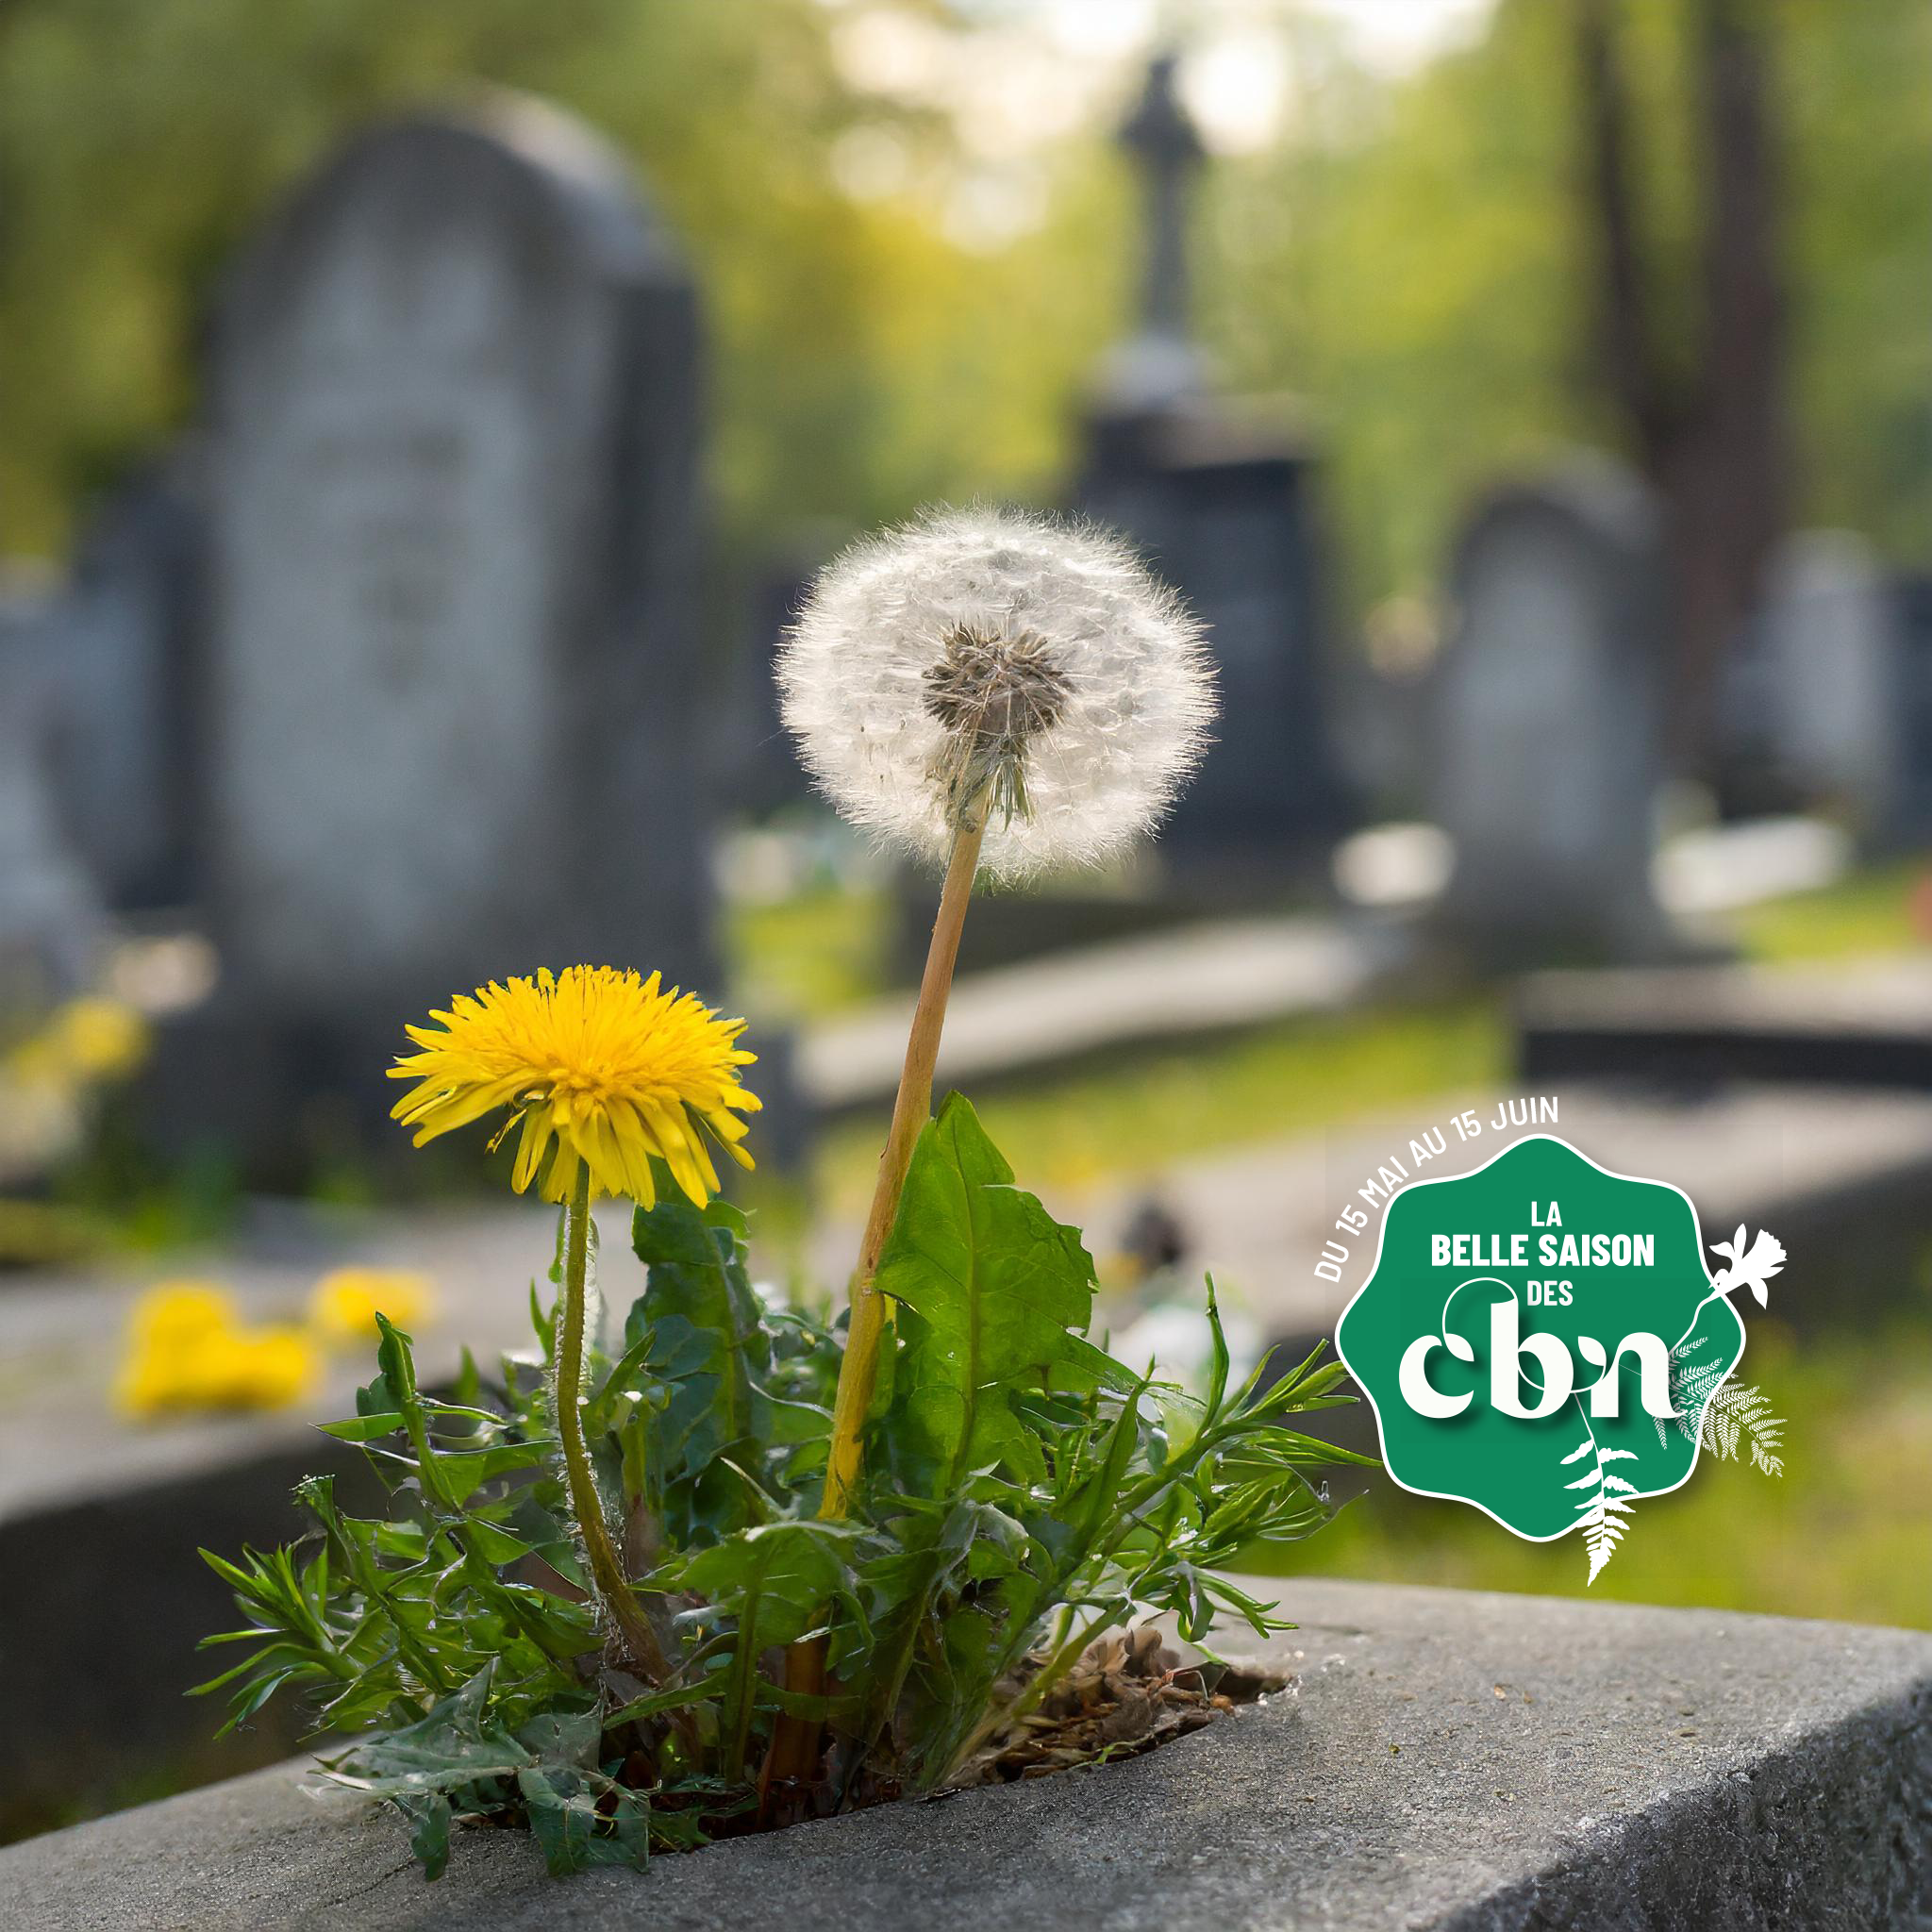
390, 678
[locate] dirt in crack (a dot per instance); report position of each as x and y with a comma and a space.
1127, 1693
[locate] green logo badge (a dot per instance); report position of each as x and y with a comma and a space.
1541, 1339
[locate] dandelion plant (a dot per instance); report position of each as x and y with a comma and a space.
936, 1509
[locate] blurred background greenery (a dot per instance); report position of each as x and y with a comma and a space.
915, 238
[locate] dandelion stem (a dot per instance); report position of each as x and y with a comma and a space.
858, 1371
795, 1741
611, 1584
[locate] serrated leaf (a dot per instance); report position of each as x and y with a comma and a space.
773, 1581
708, 1343
990, 1288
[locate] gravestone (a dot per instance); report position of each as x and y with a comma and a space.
1547, 743
124, 635
453, 723
1221, 500
756, 758
53, 928
1910, 820
1827, 658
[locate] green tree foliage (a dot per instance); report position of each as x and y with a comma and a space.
1411, 256
1418, 260
863, 361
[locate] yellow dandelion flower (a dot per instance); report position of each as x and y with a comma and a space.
188, 1355
343, 1304
598, 1067
259, 1368
177, 1314
89, 1040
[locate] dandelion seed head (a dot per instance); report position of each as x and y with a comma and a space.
997, 662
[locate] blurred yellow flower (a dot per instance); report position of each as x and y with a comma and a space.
177, 1314
88, 1040
100, 1039
260, 1368
186, 1352
345, 1304
599, 1066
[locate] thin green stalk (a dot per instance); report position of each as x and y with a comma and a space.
611, 1586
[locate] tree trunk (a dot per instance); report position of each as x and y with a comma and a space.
1712, 439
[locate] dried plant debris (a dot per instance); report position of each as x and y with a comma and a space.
1127, 1692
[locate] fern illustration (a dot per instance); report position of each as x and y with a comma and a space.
1604, 1514
1729, 1414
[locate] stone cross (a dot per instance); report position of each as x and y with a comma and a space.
1160, 137
1159, 364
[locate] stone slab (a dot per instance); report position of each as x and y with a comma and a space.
1458, 1760
1863, 1026
61, 1335
1237, 973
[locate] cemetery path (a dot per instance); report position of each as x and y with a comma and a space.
1237, 973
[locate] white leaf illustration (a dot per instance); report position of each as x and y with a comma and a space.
1751, 1267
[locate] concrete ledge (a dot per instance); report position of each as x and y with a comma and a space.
1684, 1027
1475, 1761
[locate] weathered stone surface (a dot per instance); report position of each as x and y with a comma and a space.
1475, 1761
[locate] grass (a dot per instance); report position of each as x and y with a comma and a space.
1147, 1108
807, 955
1869, 912
1843, 1533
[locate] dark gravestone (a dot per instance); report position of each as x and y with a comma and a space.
1827, 647
1548, 746
53, 928
758, 759
1911, 798
453, 713
1222, 510
125, 636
